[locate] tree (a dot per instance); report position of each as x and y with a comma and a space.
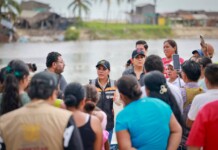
9, 9
80, 5
132, 4
108, 7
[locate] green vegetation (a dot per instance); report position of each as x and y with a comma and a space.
98, 30
71, 34
11, 9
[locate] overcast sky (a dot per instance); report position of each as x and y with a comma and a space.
98, 11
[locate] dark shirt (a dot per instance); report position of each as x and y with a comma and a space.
130, 71
87, 135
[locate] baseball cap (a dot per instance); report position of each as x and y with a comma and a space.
137, 52
104, 63
199, 51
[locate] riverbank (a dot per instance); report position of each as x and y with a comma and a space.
115, 31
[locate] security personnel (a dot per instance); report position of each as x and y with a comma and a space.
107, 93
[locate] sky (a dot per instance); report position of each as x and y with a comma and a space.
99, 11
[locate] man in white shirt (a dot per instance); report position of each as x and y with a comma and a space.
211, 80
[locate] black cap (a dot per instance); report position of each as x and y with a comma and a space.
137, 52
45, 78
104, 63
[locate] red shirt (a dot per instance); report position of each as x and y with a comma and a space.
204, 132
167, 62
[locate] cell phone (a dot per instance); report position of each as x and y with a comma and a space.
176, 62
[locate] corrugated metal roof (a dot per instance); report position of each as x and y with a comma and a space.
200, 16
28, 14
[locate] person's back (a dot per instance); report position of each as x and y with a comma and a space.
31, 133
39, 125
87, 133
204, 132
145, 131
89, 126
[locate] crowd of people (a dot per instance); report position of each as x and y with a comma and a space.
163, 107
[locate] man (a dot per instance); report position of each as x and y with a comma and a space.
154, 62
204, 133
206, 50
108, 93
38, 125
55, 64
140, 45
191, 72
211, 80
138, 60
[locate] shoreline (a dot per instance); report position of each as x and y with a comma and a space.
32, 36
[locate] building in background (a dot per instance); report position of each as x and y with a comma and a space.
143, 14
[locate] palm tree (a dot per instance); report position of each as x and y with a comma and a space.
132, 4
80, 5
108, 7
9, 9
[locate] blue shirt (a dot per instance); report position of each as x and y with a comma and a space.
147, 121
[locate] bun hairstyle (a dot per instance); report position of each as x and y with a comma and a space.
42, 85
92, 98
129, 86
74, 93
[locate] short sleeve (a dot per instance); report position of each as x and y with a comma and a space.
121, 124
197, 134
193, 110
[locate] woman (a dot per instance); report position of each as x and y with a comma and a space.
89, 126
91, 108
170, 48
156, 87
174, 76
150, 123
15, 82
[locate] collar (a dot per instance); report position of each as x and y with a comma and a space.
103, 86
36, 103
191, 85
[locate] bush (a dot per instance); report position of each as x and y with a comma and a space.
71, 34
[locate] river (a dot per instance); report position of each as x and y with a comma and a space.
81, 56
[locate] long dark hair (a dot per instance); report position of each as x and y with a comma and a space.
155, 82
14, 73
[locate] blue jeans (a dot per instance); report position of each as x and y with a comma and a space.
110, 136
112, 146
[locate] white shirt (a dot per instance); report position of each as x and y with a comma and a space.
174, 90
177, 82
200, 100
